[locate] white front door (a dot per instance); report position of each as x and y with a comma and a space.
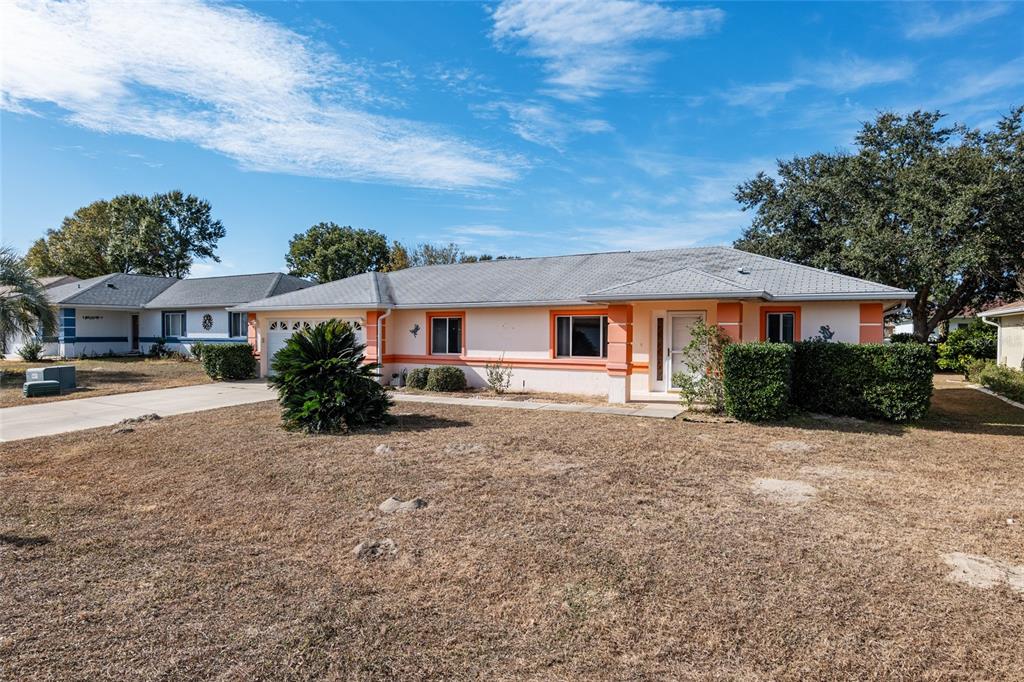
678, 331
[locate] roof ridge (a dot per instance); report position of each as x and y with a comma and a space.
376, 286
672, 272
273, 285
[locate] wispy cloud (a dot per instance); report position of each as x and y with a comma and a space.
593, 46
840, 76
926, 22
981, 81
540, 123
231, 81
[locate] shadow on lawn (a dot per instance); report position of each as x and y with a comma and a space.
20, 541
422, 422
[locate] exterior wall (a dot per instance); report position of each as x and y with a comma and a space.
94, 332
1011, 341
260, 321
151, 329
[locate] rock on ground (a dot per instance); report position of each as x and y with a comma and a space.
383, 449
393, 504
982, 572
371, 550
789, 492
138, 420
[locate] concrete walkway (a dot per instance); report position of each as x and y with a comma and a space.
656, 411
46, 419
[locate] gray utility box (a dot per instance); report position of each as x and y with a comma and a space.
35, 389
64, 375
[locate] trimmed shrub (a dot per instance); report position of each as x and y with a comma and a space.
886, 381
902, 337
197, 349
417, 378
701, 381
1004, 380
231, 361
757, 380
446, 378
976, 341
323, 383
31, 351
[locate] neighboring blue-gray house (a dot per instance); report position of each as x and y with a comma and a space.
120, 314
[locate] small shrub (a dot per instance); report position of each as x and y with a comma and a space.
231, 361
197, 350
1004, 380
902, 337
158, 349
31, 351
499, 375
446, 378
757, 380
886, 381
417, 378
976, 341
323, 383
975, 369
701, 382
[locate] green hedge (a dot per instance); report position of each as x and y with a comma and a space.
976, 341
757, 380
417, 378
887, 381
229, 361
446, 379
1004, 380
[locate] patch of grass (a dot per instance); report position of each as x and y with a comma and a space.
555, 545
103, 376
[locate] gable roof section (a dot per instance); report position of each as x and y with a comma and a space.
1003, 310
202, 292
110, 291
709, 272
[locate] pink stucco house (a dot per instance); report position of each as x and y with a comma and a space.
602, 324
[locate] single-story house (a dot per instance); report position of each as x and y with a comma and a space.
610, 324
120, 313
12, 344
1010, 335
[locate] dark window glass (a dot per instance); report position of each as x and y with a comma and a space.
586, 337
661, 349
439, 335
780, 327
563, 331
454, 334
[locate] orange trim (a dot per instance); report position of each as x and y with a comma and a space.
372, 345
595, 364
620, 339
871, 315
780, 309
430, 330
592, 312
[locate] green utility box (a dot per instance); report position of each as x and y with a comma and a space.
36, 389
62, 374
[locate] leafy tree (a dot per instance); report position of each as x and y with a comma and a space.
157, 235
976, 341
323, 384
429, 254
398, 257
931, 208
24, 308
326, 252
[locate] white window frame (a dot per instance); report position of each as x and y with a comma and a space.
780, 316
447, 323
602, 345
166, 327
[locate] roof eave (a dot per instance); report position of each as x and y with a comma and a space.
689, 296
857, 296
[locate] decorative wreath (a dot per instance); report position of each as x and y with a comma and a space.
207, 321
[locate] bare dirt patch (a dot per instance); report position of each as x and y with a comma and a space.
791, 446
218, 546
788, 492
983, 572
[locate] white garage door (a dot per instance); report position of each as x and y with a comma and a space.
282, 329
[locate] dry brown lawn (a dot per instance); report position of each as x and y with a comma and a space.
554, 546
103, 376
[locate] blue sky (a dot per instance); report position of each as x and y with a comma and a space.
511, 128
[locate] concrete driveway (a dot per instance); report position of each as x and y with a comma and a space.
46, 419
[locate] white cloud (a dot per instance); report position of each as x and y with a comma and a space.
840, 76
540, 123
227, 80
980, 82
590, 46
928, 23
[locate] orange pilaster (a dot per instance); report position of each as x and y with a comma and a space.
373, 347
620, 339
871, 322
730, 319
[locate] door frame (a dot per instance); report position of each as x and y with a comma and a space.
669, 315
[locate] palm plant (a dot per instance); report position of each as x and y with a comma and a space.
24, 308
323, 384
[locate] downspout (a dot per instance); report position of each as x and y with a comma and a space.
999, 341
380, 340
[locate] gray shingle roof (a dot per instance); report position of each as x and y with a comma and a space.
1008, 309
718, 272
222, 291
116, 291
